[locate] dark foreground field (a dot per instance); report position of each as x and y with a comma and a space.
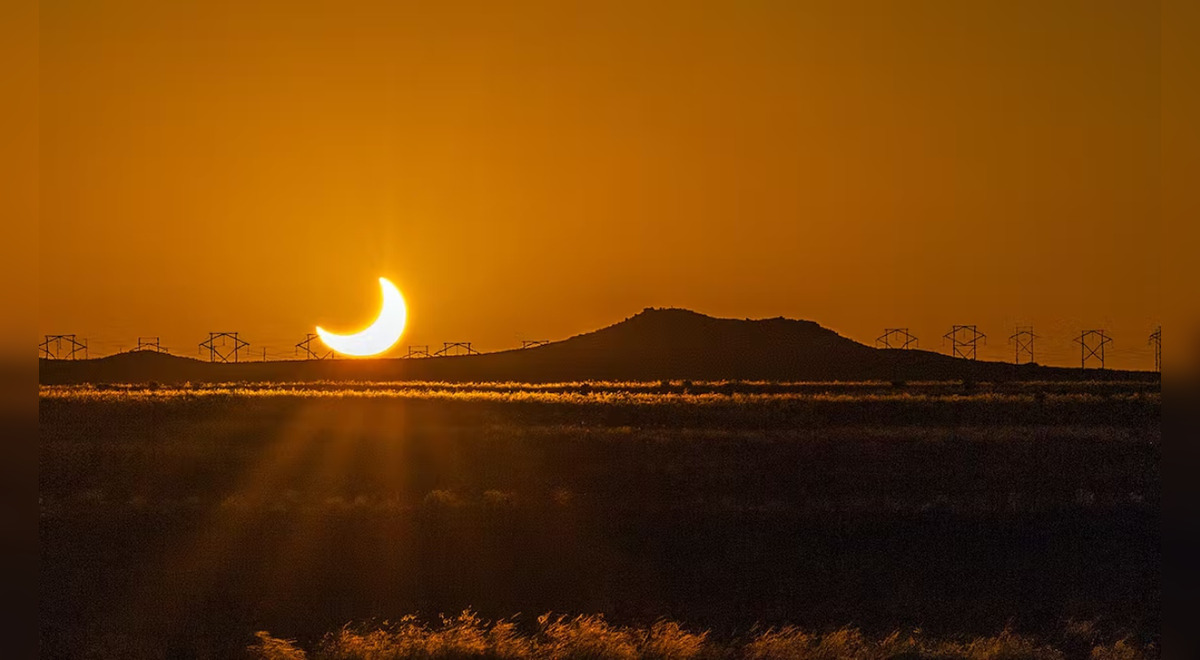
178, 522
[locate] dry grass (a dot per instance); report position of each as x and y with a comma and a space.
594, 638
692, 406
722, 393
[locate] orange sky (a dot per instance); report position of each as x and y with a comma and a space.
548, 168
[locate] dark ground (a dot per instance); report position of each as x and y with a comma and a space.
178, 525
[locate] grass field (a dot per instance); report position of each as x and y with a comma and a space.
466, 635
181, 521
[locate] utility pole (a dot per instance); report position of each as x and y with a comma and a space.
417, 351
1022, 340
1091, 346
897, 338
964, 341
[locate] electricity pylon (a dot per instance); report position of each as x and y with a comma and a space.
897, 338
1022, 340
227, 350
418, 351
307, 347
1091, 346
964, 341
456, 348
1156, 340
52, 347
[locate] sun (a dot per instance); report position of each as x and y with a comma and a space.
382, 334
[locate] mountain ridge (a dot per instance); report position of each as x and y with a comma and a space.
654, 344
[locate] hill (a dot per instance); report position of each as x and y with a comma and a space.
655, 344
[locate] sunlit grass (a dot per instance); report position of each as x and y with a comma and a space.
467, 635
641, 394
730, 405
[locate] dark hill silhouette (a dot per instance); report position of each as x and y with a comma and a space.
655, 344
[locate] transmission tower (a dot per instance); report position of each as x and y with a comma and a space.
964, 341
306, 347
149, 344
62, 347
533, 343
418, 351
223, 346
456, 348
1091, 346
1022, 341
1156, 341
896, 338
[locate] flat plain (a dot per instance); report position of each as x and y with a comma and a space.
178, 521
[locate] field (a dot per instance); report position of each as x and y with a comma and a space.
179, 521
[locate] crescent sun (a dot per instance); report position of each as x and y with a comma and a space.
383, 332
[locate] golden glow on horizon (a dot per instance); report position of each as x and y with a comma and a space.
378, 337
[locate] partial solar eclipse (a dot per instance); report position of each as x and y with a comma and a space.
376, 338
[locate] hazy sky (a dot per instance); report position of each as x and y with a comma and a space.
536, 170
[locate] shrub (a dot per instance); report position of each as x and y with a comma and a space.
272, 648
668, 641
787, 642
1121, 650
438, 499
584, 638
